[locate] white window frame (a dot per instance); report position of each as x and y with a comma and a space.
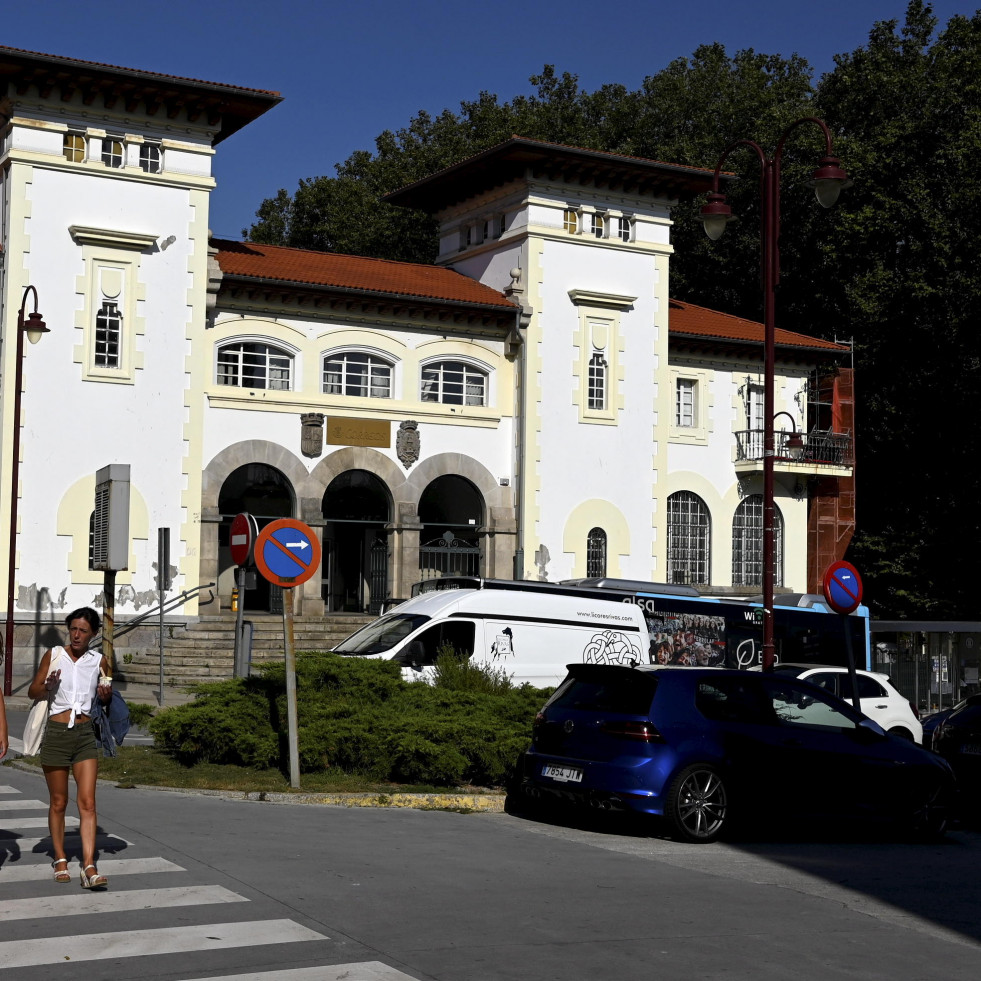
625, 228
74, 153
151, 157
572, 221
230, 371
113, 151
597, 382
437, 386
372, 362
698, 384
598, 224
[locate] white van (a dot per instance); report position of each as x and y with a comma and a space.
528, 630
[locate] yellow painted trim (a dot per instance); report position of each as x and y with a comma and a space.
591, 514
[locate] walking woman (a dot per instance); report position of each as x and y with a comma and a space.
69, 679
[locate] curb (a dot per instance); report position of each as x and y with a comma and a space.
459, 803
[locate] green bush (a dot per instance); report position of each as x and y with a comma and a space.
139, 713
358, 716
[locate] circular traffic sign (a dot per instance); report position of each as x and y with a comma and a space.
242, 537
843, 587
287, 552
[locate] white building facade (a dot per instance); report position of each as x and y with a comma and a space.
532, 406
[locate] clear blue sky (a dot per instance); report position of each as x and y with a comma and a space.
349, 70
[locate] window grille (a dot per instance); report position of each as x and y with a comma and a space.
250, 365
359, 375
689, 536
596, 396
747, 543
625, 229
570, 221
597, 224
596, 554
453, 383
108, 335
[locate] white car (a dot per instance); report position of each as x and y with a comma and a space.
878, 697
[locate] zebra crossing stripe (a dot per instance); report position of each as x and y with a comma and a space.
364, 971
80, 903
107, 866
73, 843
38, 822
22, 805
143, 943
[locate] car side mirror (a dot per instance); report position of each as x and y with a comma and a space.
868, 731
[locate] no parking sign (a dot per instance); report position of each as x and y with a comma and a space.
843, 587
287, 552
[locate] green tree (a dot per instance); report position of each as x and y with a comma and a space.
907, 110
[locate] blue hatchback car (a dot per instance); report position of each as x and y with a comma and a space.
702, 747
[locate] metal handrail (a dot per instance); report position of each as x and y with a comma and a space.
164, 607
820, 446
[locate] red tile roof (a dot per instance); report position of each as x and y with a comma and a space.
276, 263
685, 320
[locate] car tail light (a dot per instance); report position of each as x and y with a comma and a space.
539, 721
916, 711
641, 731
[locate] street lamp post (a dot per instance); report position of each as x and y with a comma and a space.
33, 327
827, 180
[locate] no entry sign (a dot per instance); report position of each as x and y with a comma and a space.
843, 587
287, 552
242, 536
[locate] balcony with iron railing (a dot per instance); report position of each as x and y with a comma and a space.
817, 451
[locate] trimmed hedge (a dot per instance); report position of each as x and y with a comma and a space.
358, 716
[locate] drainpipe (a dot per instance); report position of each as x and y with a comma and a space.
518, 348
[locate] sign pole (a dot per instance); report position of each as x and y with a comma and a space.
239, 669
843, 591
291, 720
287, 553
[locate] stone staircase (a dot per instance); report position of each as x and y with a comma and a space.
205, 650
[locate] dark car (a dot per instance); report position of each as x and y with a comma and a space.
702, 747
958, 740
932, 723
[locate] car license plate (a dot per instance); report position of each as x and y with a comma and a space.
565, 774
971, 749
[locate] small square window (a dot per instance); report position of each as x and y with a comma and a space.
625, 229
112, 152
597, 225
150, 158
570, 221
73, 147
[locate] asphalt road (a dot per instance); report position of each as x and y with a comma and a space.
204, 887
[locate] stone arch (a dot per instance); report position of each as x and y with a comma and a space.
358, 458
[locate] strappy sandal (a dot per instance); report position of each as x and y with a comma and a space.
96, 881
61, 875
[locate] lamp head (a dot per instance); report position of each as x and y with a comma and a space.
35, 327
828, 181
716, 214
795, 445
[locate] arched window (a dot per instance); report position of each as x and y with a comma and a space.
361, 375
689, 537
747, 543
596, 554
453, 383
250, 365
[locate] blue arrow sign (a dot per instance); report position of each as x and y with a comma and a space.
287, 552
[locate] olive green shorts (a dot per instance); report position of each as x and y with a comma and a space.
64, 747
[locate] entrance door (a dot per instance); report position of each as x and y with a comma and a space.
356, 509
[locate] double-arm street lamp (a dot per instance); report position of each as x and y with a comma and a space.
33, 327
827, 180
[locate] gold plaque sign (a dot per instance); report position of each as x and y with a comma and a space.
359, 432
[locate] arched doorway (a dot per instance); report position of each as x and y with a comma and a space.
266, 494
356, 509
451, 511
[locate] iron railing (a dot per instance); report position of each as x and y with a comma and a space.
820, 446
